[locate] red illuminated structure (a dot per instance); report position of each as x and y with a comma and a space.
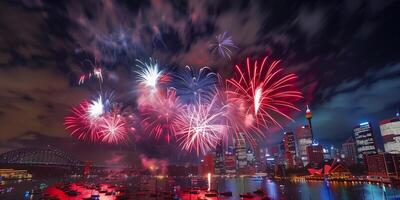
334, 170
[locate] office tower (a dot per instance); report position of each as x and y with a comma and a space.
390, 130
207, 164
327, 153
349, 150
289, 144
240, 151
230, 163
335, 153
315, 154
219, 158
364, 140
383, 165
303, 140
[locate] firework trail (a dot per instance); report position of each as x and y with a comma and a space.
96, 71
223, 45
81, 125
201, 126
113, 129
264, 91
195, 85
160, 118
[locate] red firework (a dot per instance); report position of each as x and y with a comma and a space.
160, 118
260, 95
113, 129
81, 125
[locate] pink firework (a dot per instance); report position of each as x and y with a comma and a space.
113, 129
262, 94
81, 125
201, 126
160, 119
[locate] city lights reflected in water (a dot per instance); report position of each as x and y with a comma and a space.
240, 185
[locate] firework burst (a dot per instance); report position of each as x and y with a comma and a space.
149, 73
81, 125
201, 126
113, 129
264, 91
160, 119
223, 45
195, 85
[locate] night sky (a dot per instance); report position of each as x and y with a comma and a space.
346, 54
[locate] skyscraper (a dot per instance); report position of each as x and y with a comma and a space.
350, 152
390, 130
364, 140
241, 153
219, 158
315, 154
303, 139
230, 163
289, 143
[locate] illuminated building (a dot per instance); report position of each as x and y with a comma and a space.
219, 159
303, 139
315, 154
207, 164
334, 153
289, 144
241, 152
14, 174
383, 165
350, 152
327, 154
390, 130
365, 141
230, 163
309, 117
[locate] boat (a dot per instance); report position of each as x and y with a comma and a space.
210, 194
246, 196
227, 194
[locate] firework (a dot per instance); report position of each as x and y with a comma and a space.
96, 72
195, 85
149, 73
201, 126
264, 91
81, 125
223, 45
113, 129
160, 119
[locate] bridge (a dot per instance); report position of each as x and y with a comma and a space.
39, 156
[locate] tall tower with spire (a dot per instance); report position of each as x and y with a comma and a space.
309, 117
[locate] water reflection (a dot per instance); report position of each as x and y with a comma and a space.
273, 189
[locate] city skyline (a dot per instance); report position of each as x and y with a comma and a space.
347, 77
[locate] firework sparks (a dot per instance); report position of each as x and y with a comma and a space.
149, 73
160, 119
96, 108
81, 125
194, 85
223, 45
265, 92
96, 72
201, 126
113, 129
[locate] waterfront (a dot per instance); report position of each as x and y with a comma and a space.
145, 187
